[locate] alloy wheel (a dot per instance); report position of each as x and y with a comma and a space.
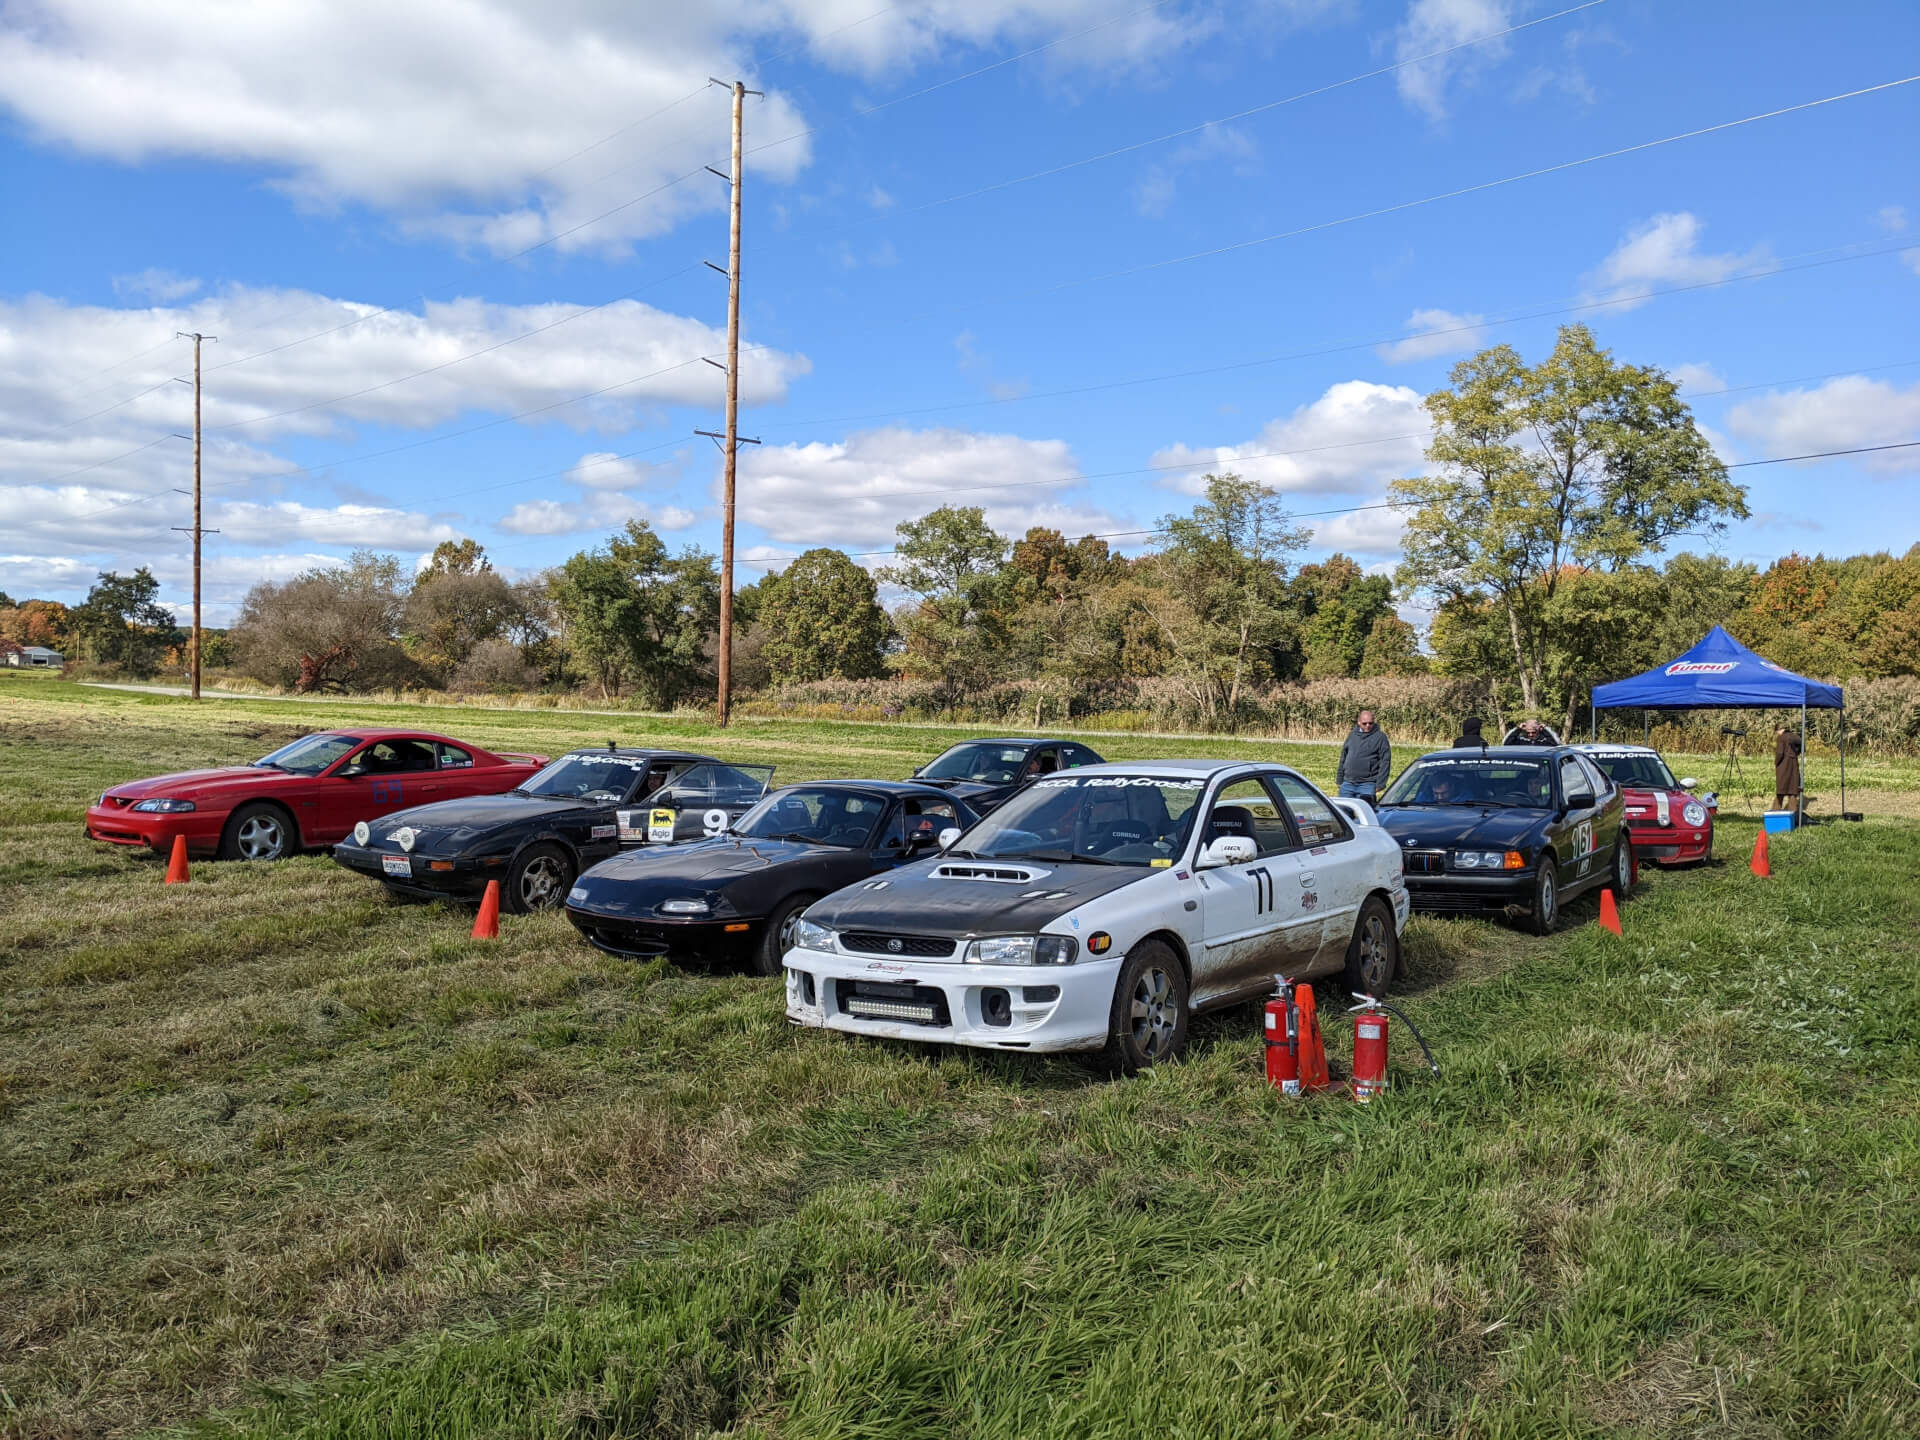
540, 883
1155, 1012
1375, 963
1549, 900
260, 838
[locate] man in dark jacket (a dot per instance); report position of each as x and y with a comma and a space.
1470, 737
1365, 760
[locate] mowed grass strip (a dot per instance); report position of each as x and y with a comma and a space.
276, 1148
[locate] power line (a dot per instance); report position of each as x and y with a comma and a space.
1404, 205
1261, 109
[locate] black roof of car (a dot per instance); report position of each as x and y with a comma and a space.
632, 752
1506, 752
1013, 740
886, 787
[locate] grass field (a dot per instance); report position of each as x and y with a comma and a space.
279, 1158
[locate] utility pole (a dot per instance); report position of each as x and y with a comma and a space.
730, 445
197, 532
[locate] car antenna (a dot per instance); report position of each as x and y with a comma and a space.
611, 747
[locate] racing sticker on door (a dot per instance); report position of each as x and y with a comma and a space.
660, 827
1262, 889
386, 792
715, 822
1583, 845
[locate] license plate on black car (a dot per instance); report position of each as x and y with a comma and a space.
396, 864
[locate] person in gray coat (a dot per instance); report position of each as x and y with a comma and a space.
1366, 760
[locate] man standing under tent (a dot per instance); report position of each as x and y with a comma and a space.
1786, 768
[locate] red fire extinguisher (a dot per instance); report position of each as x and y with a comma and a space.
1283, 1038
1370, 1046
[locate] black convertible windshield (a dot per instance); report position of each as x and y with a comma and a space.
310, 754
1494, 780
1643, 772
979, 762
587, 777
1114, 819
820, 815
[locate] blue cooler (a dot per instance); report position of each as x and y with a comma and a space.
1775, 821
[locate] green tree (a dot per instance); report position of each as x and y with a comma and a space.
631, 611
1338, 604
822, 619
1217, 590
454, 557
1393, 648
123, 623
333, 628
451, 611
1576, 463
956, 633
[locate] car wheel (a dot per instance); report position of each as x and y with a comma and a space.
257, 832
1373, 955
1546, 899
1623, 867
777, 939
1148, 1023
538, 879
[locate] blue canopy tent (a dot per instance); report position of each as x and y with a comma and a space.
1722, 674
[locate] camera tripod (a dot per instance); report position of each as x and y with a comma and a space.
1733, 779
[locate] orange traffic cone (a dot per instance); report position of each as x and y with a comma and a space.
177, 862
486, 925
1313, 1048
1609, 912
1759, 864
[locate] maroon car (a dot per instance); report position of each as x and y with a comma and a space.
303, 795
1670, 825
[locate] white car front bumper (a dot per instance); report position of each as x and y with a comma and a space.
951, 1004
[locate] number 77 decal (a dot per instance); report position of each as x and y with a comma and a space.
1262, 889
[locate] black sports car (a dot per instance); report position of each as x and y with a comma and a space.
582, 808
1513, 827
985, 772
743, 890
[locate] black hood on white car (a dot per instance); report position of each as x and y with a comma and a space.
958, 897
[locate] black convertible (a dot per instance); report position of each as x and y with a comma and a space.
741, 892
985, 772
1509, 827
582, 808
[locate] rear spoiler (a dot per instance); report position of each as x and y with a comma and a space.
515, 755
1358, 811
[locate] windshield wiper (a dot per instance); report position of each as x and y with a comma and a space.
1066, 858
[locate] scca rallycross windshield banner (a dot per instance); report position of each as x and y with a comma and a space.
1097, 782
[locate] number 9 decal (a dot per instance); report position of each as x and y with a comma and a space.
714, 822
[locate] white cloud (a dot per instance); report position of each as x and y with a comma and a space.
1437, 333
1154, 194
1363, 532
247, 523
1321, 448
857, 491
1661, 253
26, 576
487, 121
162, 286
603, 470
1436, 24
1698, 378
1893, 219
1844, 414
595, 510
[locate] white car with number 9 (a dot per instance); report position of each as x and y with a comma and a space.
1101, 909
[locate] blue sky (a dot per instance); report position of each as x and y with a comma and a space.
1029, 254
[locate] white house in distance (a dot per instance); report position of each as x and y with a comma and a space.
34, 657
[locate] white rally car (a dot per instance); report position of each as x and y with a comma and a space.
1102, 907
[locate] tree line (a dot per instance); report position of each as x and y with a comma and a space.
1541, 539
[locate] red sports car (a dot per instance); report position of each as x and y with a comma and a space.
1670, 825
303, 795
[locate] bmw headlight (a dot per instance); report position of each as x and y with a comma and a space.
404, 838
362, 833
1023, 950
809, 936
1488, 860
685, 907
164, 807
1695, 814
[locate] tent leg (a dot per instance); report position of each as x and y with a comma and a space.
1843, 762
1800, 800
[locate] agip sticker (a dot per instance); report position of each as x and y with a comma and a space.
660, 827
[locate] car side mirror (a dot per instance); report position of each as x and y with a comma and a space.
1578, 798
1227, 850
1688, 783
349, 772
949, 836
921, 840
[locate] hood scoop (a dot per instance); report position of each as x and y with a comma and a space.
998, 874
